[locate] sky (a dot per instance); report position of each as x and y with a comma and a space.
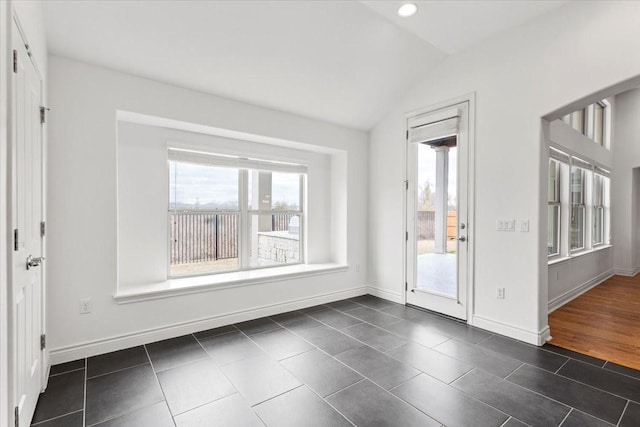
202, 184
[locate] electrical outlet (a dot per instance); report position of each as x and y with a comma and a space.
500, 293
85, 306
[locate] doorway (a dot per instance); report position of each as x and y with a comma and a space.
437, 210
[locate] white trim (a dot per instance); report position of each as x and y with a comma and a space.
512, 331
628, 272
572, 294
386, 294
93, 348
216, 282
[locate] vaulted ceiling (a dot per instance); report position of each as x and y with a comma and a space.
344, 62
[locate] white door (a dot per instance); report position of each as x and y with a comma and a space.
26, 215
437, 204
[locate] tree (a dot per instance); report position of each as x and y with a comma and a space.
425, 197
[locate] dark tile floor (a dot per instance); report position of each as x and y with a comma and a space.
363, 361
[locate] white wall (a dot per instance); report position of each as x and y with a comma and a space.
518, 78
83, 211
625, 183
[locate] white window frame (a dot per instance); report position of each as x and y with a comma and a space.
581, 205
583, 121
556, 203
244, 166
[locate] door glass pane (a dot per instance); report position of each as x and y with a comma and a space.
275, 239
436, 218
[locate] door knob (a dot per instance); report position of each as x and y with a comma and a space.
34, 262
462, 239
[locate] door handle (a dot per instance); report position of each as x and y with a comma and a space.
462, 239
34, 262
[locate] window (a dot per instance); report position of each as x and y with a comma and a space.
601, 207
553, 235
591, 122
577, 192
228, 214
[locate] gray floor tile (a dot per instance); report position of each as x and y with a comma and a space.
334, 318
622, 370
156, 415
612, 382
64, 394
377, 366
343, 305
72, 420
329, 340
297, 320
514, 423
375, 317
366, 404
231, 347
587, 399
231, 411
260, 378
258, 325
524, 352
110, 362
416, 333
215, 331
67, 367
374, 336
580, 419
173, 352
299, 407
323, 374
431, 362
479, 357
314, 308
448, 405
193, 384
403, 312
572, 354
514, 400
281, 343
631, 417
373, 302
122, 392
451, 328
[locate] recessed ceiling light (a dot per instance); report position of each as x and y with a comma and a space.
407, 9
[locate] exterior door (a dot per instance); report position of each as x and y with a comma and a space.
26, 216
437, 169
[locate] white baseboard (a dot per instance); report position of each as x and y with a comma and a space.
515, 332
93, 348
629, 272
561, 300
385, 294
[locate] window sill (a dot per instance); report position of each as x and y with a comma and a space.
560, 260
191, 285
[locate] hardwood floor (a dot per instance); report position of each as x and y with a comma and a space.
603, 322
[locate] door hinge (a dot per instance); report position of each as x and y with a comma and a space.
15, 61
406, 236
406, 286
406, 184
15, 239
43, 229
43, 342
16, 416
407, 136
43, 114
